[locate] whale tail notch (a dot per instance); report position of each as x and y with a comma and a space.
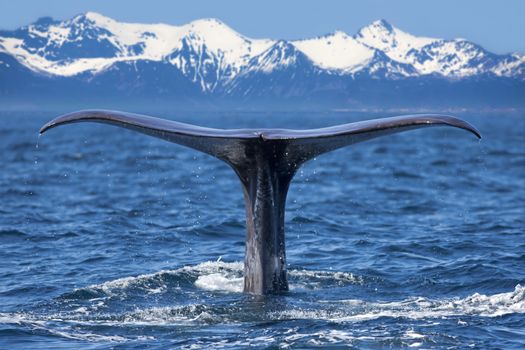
265, 161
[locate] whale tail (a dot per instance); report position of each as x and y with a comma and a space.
265, 160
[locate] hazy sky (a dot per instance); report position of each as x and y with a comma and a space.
497, 25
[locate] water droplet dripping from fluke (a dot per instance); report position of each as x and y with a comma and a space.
38, 140
36, 147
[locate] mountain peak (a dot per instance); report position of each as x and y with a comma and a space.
46, 20
377, 29
337, 34
209, 23
280, 55
283, 44
210, 20
282, 51
384, 24
336, 50
218, 34
92, 17
383, 36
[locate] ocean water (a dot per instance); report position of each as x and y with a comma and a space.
112, 239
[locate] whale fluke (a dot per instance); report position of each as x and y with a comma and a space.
265, 160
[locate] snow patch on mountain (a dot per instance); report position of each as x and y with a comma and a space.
514, 65
335, 51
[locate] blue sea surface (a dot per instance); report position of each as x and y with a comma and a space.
113, 239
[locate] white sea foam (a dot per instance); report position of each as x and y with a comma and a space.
292, 338
227, 277
184, 314
335, 311
417, 308
219, 282
221, 276
330, 336
153, 283
326, 275
69, 324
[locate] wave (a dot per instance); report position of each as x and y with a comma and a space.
50, 326
79, 325
416, 308
210, 275
227, 277
114, 304
12, 233
292, 338
216, 276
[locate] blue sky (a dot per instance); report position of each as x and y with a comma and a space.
499, 26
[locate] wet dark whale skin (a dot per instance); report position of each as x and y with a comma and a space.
265, 160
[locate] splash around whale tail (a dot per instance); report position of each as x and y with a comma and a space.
265, 161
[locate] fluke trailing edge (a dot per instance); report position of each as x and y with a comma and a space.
265, 160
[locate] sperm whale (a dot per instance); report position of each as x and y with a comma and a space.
265, 160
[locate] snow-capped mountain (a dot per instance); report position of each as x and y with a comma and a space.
207, 57
455, 58
92, 43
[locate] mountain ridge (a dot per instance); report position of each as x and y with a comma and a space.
217, 61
